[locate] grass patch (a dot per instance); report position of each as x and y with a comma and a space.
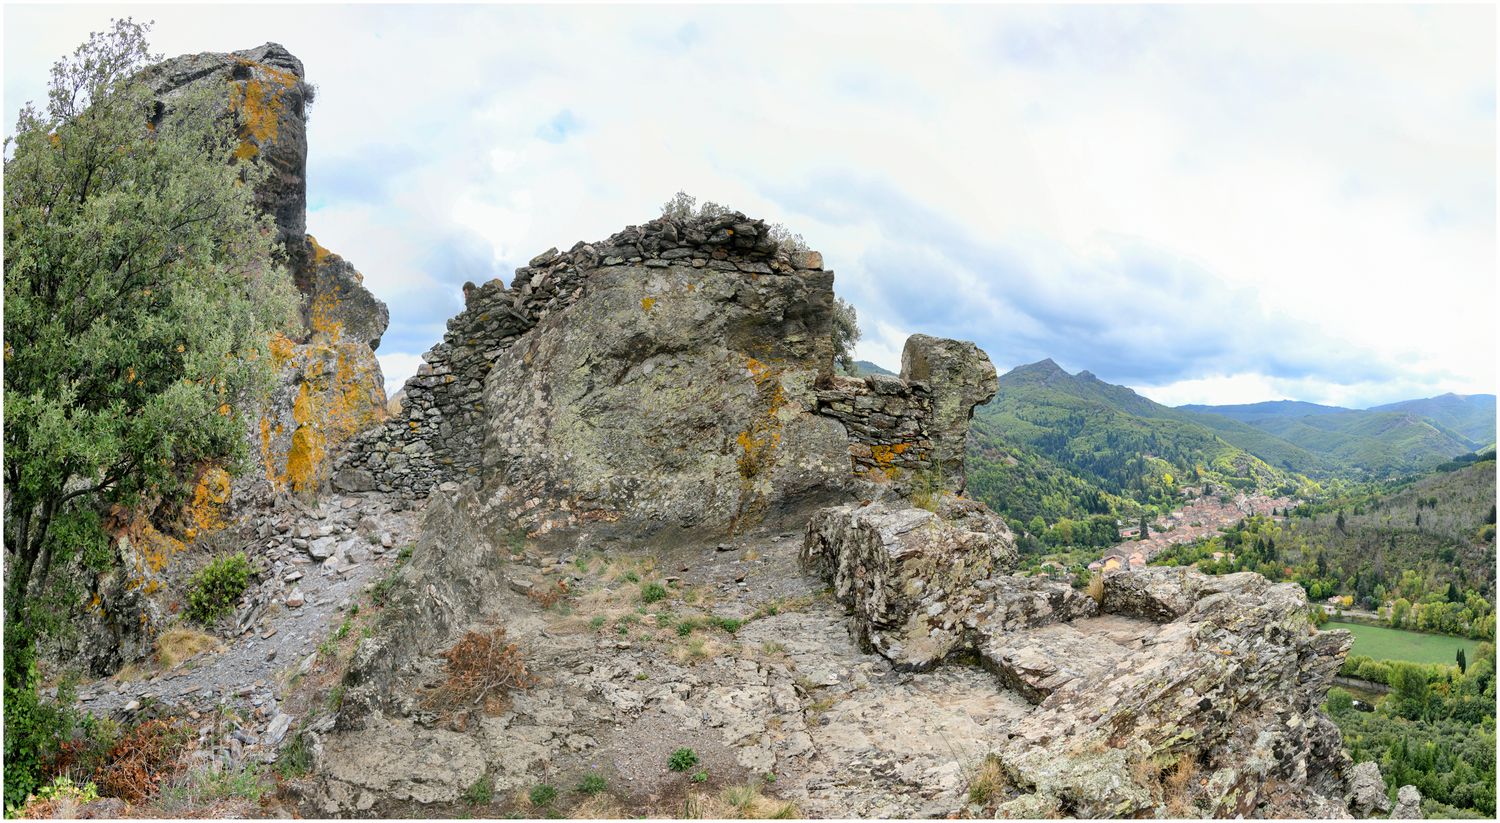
1382, 643
480, 793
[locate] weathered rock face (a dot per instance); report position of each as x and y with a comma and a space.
265, 93
661, 380
961, 377
1367, 793
1180, 676
329, 381
909, 574
908, 432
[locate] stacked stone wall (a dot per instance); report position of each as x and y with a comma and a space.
887, 421
438, 434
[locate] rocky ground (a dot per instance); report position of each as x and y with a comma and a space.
786, 702
319, 562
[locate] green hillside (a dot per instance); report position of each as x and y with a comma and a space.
1395, 439
1380, 442
1470, 416
1113, 438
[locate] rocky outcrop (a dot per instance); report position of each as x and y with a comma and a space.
1408, 804
1367, 794
661, 380
1180, 692
329, 385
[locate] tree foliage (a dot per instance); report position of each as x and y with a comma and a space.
139, 295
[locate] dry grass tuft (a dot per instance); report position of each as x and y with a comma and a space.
1178, 786
174, 646
1096, 587
737, 803
482, 669
599, 807
989, 781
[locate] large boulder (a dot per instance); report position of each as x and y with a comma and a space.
909, 575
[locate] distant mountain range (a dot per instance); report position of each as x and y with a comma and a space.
1124, 444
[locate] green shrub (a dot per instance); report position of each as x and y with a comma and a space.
542, 794
699, 777
685, 628
592, 784
728, 624
1339, 701
682, 760
481, 793
632, 577
652, 592
214, 590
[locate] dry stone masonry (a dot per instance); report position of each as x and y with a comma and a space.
909, 431
439, 433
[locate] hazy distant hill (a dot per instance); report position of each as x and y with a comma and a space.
1413, 435
1472, 415
1247, 412
866, 367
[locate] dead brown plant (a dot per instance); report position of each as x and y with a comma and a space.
482, 668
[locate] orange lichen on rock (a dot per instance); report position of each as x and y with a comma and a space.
647, 303
307, 448
319, 253
208, 511
258, 104
323, 316
281, 349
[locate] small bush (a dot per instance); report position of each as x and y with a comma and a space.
481, 793
214, 590
728, 624
142, 759
685, 628
652, 592
682, 760
482, 668
542, 794
632, 577
592, 784
699, 777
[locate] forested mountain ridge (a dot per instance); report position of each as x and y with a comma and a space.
1471, 416
1113, 438
1396, 438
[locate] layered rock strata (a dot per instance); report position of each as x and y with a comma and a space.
1172, 673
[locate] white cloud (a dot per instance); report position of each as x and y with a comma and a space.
1320, 180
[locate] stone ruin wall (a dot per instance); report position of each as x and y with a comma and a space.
908, 431
438, 434
886, 418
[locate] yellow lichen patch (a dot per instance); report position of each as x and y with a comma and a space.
319, 253
307, 450
323, 316
258, 104
210, 501
647, 303
338, 397
281, 349
885, 454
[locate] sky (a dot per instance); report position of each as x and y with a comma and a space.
1209, 204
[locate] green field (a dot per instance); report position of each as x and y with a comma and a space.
1382, 643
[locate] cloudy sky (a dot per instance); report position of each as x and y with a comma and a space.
1208, 204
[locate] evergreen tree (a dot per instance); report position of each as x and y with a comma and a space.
138, 300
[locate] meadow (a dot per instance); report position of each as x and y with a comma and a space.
1384, 643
